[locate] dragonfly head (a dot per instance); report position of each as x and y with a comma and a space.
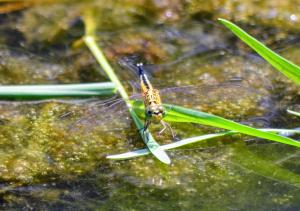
155, 112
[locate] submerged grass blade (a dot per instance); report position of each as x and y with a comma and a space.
286, 67
184, 142
293, 112
153, 146
181, 114
256, 165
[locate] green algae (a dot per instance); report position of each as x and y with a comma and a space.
20, 67
35, 145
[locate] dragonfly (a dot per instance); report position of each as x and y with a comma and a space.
112, 114
154, 110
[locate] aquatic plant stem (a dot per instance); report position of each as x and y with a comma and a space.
98, 54
153, 146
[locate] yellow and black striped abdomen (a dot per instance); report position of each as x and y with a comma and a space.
151, 96
154, 111
145, 84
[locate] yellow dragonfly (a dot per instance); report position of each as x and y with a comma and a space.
154, 110
112, 114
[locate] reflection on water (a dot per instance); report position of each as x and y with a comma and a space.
52, 152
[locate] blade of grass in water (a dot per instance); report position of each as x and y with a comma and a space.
142, 152
63, 87
153, 146
293, 112
286, 67
216, 121
181, 114
48, 91
184, 142
34, 94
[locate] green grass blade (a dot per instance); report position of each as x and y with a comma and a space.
41, 94
181, 114
293, 112
184, 142
145, 151
60, 87
286, 67
216, 121
148, 139
150, 142
48, 91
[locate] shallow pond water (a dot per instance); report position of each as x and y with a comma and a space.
52, 151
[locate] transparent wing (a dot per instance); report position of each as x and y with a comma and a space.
230, 100
101, 115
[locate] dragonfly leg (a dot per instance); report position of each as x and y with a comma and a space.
146, 125
165, 126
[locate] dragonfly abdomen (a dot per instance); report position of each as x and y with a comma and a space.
145, 83
152, 101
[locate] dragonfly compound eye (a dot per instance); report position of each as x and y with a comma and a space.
149, 113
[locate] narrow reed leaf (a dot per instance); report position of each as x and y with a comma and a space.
34, 94
184, 142
181, 114
286, 67
62, 87
212, 120
148, 139
150, 142
48, 91
293, 112
142, 152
